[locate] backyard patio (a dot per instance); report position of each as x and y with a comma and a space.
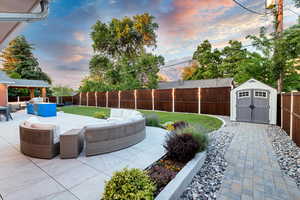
23, 177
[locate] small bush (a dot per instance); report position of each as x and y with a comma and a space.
198, 135
180, 125
161, 176
129, 184
152, 120
181, 147
100, 115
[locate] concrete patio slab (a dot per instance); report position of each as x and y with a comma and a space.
23, 177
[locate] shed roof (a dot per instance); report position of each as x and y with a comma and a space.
206, 83
21, 82
253, 84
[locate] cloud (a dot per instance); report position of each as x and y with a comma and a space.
63, 45
79, 36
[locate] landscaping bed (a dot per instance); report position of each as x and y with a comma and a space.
183, 145
163, 171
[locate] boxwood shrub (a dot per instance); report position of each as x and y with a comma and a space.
132, 184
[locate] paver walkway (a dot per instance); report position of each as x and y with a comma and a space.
253, 171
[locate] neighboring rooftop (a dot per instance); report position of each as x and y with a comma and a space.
22, 82
207, 83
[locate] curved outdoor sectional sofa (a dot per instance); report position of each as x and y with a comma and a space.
124, 128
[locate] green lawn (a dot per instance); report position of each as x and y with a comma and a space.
210, 123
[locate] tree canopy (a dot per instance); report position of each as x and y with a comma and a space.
236, 61
121, 60
19, 61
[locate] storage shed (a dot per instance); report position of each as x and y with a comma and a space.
254, 101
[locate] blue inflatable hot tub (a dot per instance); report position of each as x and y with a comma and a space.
42, 109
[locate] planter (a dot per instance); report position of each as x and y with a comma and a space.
176, 187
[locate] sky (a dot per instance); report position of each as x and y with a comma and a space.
63, 45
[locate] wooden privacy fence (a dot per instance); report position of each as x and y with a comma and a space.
289, 108
215, 101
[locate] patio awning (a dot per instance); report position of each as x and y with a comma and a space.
10, 29
22, 83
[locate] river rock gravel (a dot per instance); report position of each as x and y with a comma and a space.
207, 181
287, 152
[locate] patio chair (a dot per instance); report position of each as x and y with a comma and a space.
39, 140
6, 112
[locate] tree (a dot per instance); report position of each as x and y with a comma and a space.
121, 60
19, 62
208, 61
125, 37
60, 91
281, 51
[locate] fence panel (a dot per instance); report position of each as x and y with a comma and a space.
101, 99
127, 99
163, 100
286, 113
144, 99
52, 99
186, 100
67, 100
215, 101
83, 99
76, 99
91, 99
113, 99
296, 118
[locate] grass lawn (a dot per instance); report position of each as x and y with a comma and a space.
210, 123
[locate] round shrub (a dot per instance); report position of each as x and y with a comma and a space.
198, 135
129, 184
152, 120
100, 115
181, 147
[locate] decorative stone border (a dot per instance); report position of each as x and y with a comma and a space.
176, 187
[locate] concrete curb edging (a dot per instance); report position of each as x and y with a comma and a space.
176, 187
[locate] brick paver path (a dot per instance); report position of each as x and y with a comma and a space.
253, 171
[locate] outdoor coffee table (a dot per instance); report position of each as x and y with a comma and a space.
71, 143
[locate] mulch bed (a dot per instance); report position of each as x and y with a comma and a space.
163, 171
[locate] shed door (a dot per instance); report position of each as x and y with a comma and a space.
253, 106
260, 112
244, 105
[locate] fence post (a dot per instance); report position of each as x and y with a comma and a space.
119, 99
96, 99
135, 99
281, 109
173, 100
153, 98
80, 98
106, 94
292, 116
87, 99
199, 100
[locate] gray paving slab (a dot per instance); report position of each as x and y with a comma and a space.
22, 177
253, 171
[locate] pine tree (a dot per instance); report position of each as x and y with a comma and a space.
19, 61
